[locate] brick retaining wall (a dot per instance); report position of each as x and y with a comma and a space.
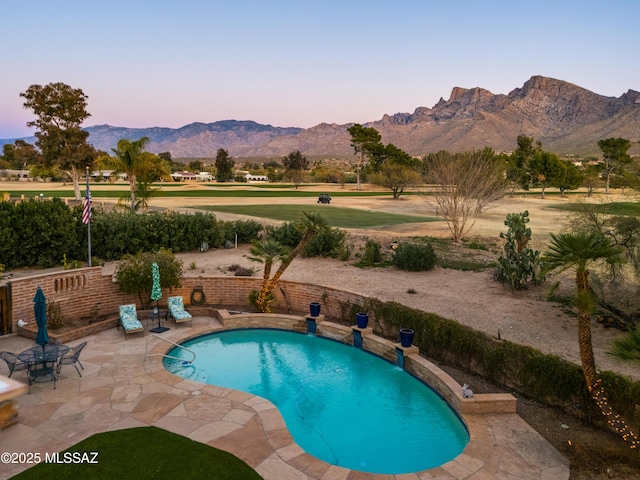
79, 290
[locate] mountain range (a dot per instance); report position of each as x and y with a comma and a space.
566, 118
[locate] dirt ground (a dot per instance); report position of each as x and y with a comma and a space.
472, 298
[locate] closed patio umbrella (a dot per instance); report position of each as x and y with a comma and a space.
40, 310
156, 294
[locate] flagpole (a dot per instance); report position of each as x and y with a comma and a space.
89, 222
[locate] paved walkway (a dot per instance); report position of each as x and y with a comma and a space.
118, 390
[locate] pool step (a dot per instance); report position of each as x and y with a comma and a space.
186, 370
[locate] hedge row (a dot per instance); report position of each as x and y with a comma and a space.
45, 233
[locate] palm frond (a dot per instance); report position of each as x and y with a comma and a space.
626, 348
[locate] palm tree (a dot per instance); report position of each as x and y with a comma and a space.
132, 159
311, 224
581, 251
268, 251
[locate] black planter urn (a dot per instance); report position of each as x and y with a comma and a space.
406, 337
362, 319
314, 309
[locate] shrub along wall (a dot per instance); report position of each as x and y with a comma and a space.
546, 378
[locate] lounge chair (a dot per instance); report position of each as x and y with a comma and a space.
129, 320
72, 358
13, 362
177, 311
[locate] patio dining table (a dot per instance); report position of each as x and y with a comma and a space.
42, 362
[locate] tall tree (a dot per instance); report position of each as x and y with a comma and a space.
518, 172
466, 184
196, 166
580, 252
614, 153
60, 111
546, 169
20, 154
224, 166
570, 179
591, 179
295, 164
363, 140
396, 177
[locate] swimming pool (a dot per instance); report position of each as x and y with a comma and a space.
341, 404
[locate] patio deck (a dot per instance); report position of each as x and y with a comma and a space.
119, 390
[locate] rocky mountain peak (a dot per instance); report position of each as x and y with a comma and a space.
564, 117
472, 96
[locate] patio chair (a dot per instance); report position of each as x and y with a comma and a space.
129, 320
72, 358
38, 371
177, 311
13, 362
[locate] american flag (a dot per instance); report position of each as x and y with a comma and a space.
86, 206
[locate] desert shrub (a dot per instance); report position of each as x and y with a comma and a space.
243, 272
133, 273
345, 253
286, 233
464, 265
55, 319
414, 257
476, 245
327, 243
97, 262
372, 253
246, 230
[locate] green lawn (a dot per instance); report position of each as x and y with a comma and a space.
143, 454
617, 208
336, 216
220, 193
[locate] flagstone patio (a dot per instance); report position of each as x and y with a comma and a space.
119, 390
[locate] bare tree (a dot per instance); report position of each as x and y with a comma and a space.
465, 184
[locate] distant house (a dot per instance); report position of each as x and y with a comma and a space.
256, 178
22, 175
204, 177
183, 176
106, 174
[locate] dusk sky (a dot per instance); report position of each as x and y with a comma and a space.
146, 63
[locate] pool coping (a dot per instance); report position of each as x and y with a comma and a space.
491, 419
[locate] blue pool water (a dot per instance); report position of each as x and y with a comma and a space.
341, 404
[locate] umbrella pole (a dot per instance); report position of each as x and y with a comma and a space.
159, 328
